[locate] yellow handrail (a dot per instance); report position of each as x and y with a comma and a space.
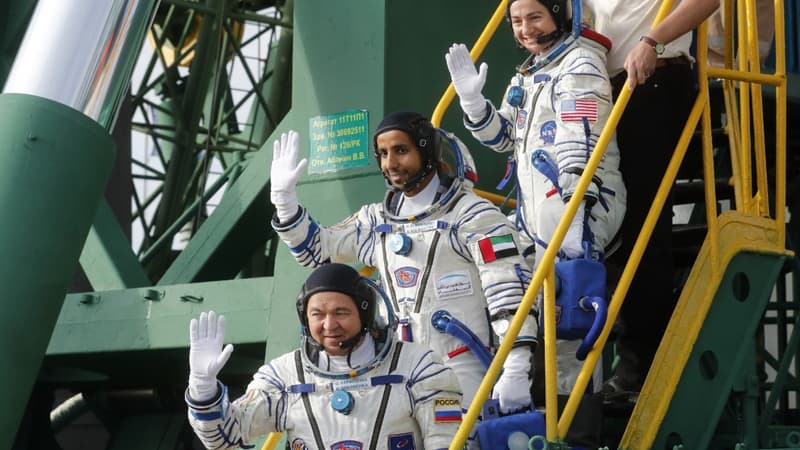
477, 49
272, 441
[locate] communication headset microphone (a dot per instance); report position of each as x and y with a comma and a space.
348, 344
549, 37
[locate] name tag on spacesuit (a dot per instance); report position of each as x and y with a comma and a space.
455, 284
350, 385
420, 227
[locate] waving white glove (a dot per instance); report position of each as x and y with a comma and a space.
573, 241
513, 387
206, 355
467, 81
284, 174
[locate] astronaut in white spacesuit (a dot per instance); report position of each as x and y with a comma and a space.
351, 385
436, 244
554, 110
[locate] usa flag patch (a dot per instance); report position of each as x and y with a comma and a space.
575, 110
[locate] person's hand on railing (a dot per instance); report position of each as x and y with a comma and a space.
467, 81
640, 64
284, 173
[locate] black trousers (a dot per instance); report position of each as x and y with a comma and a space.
647, 133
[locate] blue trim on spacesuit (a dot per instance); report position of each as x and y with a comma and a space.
313, 228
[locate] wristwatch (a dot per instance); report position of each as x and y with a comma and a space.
657, 46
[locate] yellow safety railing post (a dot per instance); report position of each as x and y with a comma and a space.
780, 123
754, 65
744, 115
272, 441
550, 365
708, 156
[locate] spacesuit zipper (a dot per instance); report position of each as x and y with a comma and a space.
526, 160
530, 122
429, 261
427, 273
389, 283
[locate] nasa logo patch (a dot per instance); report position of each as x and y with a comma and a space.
548, 132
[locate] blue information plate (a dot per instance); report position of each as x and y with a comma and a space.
339, 141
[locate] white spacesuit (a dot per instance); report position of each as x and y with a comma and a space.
383, 394
551, 117
458, 254
552, 125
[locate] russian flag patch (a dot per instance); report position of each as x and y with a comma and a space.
447, 410
496, 247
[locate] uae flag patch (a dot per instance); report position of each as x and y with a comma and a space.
496, 247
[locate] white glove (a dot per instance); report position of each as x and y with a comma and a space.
206, 355
573, 241
513, 388
284, 174
467, 81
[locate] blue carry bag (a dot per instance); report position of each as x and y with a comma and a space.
495, 431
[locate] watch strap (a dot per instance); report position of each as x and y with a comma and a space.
657, 46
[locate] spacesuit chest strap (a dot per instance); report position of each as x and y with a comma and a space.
312, 421
387, 390
425, 273
428, 260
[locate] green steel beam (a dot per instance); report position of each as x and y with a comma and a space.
158, 317
107, 258
54, 163
279, 98
157, 431
179, 181
226, 240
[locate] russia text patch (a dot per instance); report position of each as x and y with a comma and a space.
447, 410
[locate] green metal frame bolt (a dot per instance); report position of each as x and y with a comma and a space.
153, 295
90, 299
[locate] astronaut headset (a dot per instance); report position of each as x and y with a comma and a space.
423, 134
568, 29
335, 277
558, 10
464, 176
